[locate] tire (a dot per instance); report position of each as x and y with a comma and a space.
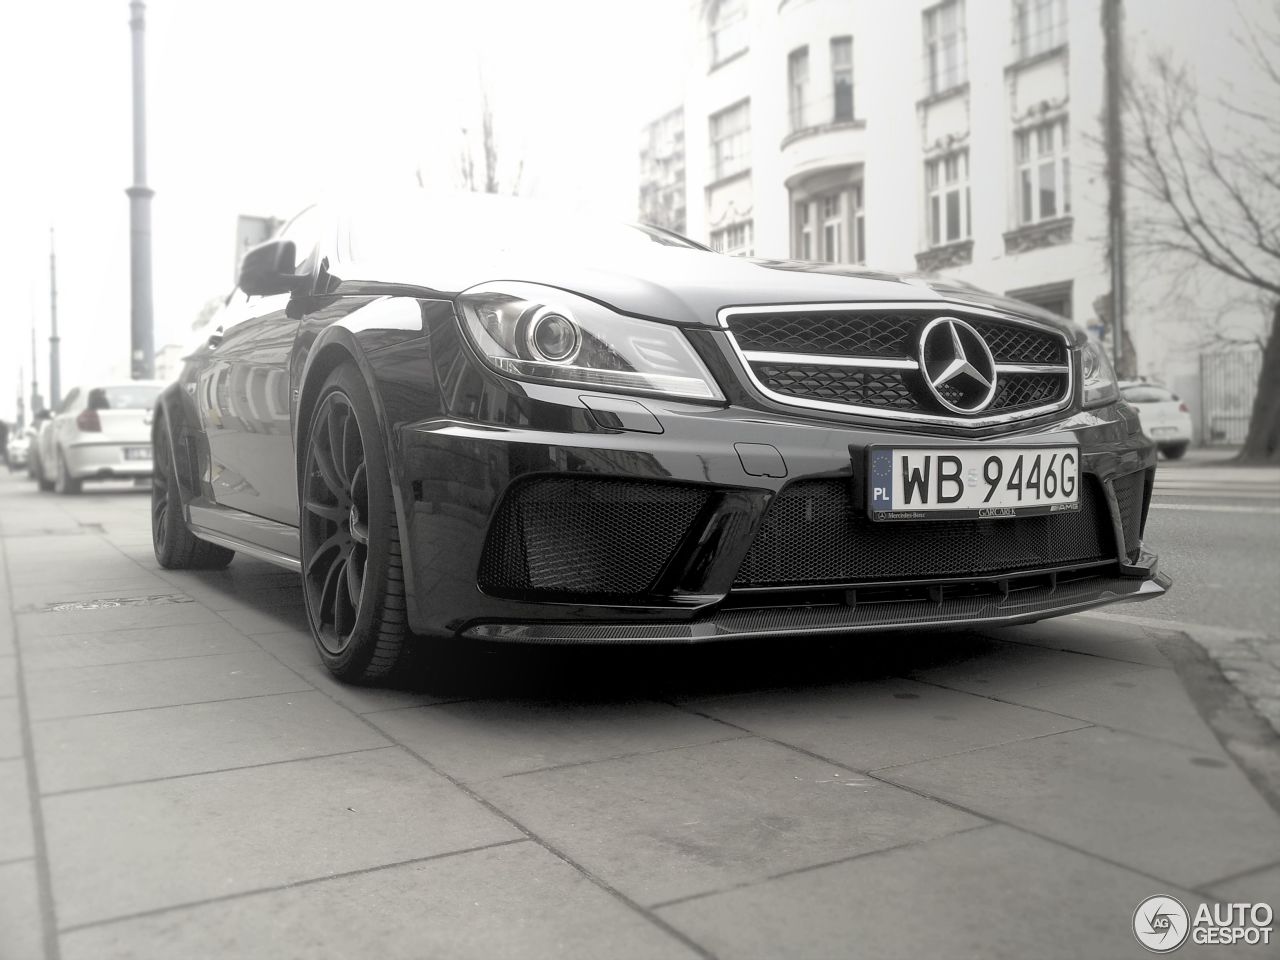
45, 484
1174, 451
64, 484
352, 574
175, 546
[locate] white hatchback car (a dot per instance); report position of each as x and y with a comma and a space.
1165, 418
99, 433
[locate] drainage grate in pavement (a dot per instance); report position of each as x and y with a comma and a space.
67, 606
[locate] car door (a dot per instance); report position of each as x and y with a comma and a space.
244, 397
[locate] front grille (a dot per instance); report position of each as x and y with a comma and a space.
1129, 491
814, 534
893, 335
866, 387
601, 537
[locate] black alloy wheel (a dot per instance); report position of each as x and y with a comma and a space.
352, 577
175, 546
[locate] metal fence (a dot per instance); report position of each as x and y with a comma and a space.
1228, 382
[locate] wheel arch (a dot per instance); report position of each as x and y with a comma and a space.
335, 346
173, 415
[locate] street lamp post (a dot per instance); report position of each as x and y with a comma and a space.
142, 356
55, 371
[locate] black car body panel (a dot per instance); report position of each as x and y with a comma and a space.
697, 486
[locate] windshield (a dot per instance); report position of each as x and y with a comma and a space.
134, 396
426, 228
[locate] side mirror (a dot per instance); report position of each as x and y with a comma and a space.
269, 268
41, 415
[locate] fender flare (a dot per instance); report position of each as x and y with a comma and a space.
334, 346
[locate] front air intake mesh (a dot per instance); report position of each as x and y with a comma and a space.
813, 534
598, 537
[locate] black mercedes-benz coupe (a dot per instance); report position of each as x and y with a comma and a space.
477, 417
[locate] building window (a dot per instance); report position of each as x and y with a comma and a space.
1038, 25
1054, 297
735, 239
727, 29
842, 78
730, 141
798, 86
946, 182
1044, 172
831, 226
804, 231
944, 46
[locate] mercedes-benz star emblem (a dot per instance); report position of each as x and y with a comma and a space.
957, 365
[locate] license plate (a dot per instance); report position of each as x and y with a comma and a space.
137, 453
920, 483
1163, 431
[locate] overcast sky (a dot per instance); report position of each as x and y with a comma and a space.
256, 106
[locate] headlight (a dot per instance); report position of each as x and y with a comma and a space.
532, 332
1099, 380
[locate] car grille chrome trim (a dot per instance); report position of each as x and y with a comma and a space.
898, 403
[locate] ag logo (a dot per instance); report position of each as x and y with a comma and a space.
1161, 924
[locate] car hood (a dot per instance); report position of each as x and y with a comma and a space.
689, 286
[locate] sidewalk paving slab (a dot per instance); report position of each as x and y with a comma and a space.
992, 667
1150, 702
21, 923
79, 691
695, 819
33, 627
16, 837
483, 739
510, 902
881, 723
8, 676
1110, 793
76, 753
10, 729
297, 651
1079, 633
994, 893
185, 840
132, 646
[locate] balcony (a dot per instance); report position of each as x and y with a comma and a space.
824, 132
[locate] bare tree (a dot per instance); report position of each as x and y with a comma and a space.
1210, 192
488, 180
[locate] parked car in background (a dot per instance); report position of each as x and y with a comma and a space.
17, 453
100, 432
640, 441
1165, 418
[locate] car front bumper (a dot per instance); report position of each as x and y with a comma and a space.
458, 479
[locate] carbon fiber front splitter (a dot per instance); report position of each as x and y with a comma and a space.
1022, 606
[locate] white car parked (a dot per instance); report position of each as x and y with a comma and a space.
99, 432
1165, 418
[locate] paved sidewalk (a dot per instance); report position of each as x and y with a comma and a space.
180, 779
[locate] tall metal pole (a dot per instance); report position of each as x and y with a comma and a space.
36, 404
22, 420
1113, 51
55, 371
142, 327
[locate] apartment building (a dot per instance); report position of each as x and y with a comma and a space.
961, 136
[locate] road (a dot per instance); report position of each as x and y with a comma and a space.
180, 778
1216, 528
